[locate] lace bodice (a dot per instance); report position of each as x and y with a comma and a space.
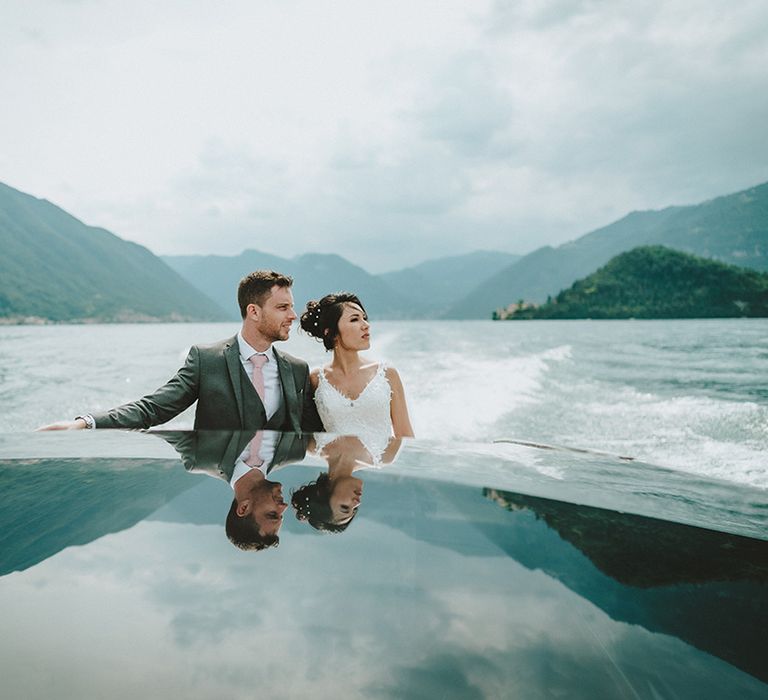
367, 416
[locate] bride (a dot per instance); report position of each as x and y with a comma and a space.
331, 502
354, 395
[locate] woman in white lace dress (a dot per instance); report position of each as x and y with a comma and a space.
331, 502
354, 395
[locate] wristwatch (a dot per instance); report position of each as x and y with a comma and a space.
90, 424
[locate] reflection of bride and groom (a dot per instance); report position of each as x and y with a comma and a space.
255, 517
244, 383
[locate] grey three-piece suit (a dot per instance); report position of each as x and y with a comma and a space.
213, 375
215, 452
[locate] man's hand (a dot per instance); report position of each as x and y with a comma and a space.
77, 424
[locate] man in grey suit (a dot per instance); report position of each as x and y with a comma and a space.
256, 513
220, 377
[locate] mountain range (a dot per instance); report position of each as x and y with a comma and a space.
421, 291
55, 268
732, 229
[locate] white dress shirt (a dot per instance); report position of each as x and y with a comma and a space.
266, 454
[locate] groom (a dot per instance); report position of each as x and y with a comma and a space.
242, 383
256, 514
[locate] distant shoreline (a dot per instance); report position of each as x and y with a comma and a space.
36, 321
39, 321
635, 318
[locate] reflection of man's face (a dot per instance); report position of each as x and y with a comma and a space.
277, 314
267, 506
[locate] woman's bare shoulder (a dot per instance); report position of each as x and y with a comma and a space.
392, 375
314, 376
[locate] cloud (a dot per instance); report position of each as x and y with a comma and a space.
507, 15
466, 107
374, 130
426, 617
437, 677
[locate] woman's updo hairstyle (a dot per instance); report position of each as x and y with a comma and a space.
321, 318
312, 503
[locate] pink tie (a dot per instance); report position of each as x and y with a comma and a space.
258, 361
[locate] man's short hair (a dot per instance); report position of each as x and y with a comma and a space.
257, 287
243, 532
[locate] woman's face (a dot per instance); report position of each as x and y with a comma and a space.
345, 498
354, 329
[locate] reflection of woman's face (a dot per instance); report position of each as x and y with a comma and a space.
345, 498
354, 329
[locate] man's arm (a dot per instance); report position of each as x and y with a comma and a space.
77, 424
175, 396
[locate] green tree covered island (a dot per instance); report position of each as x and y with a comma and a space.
655, 282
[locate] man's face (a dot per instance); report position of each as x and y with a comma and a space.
267, 507
277, 314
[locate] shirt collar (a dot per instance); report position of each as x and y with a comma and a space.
246, 350
241, 469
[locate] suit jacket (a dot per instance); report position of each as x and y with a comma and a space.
226, 400
216, 451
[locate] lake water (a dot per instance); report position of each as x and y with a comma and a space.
127, 587
690, 395
471, 570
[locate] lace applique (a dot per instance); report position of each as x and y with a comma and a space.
366, 417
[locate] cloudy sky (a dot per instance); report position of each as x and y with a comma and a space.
388, 132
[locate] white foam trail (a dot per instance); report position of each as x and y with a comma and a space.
460, 397
702, 435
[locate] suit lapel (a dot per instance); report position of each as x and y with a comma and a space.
290, 448
279, 449
289, 391
235, 446
235, 368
